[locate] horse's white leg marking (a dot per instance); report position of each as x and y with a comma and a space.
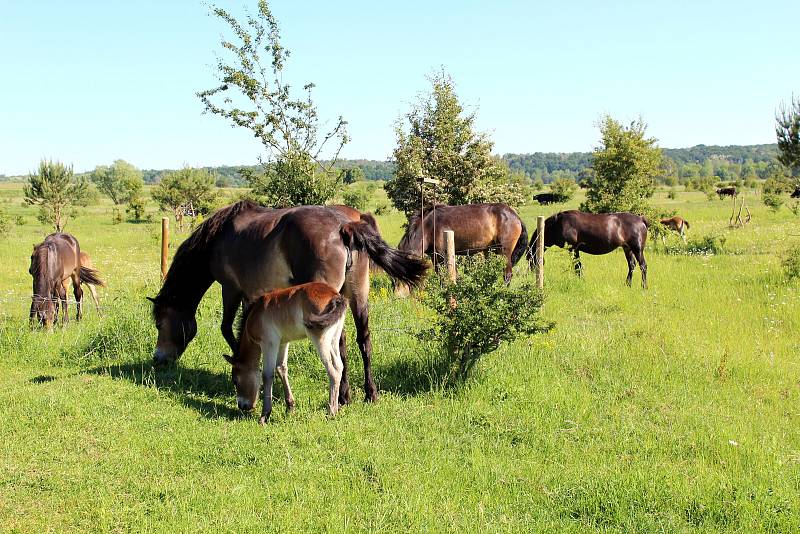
283, 373
324, 344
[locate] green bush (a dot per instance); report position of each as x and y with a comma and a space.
791, 263
563, 189
709, 245
772, 200
356, 197
673, 194
474, 316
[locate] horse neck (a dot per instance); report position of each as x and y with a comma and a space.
45, 270
187, 281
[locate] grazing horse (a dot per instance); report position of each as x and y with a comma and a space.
726, 192
53, 262
796, 193
545, 198
251, 250
677, 224
596, 233
86, 261
314, 310
476, 227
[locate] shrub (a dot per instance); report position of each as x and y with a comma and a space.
772, 200
136, 208
116, 216
673, 194
356, 197
709, 245
20, 220
5, 223
563, 189
476, 314
791, 263
382, 209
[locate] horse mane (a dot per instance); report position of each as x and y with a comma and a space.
189, 268
242, 323
40, 263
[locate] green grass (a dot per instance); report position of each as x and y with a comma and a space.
676, 408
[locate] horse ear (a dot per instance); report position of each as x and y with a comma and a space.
228, 358
151, 299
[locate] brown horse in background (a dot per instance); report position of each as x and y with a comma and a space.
677, 224
53, 263
596, 233
251, 250
476, 228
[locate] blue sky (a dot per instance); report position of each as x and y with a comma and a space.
90, 82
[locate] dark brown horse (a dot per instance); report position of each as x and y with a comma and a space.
476, 228
251, 250
726, 192
53, 262
596, 233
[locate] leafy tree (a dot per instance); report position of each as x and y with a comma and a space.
136, 208
186, 191
787, 129
288, 127
441, 143
358, 197
56, 190
563, 189
120, 182
624, 166
352, 175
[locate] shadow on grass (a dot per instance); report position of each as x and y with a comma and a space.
210, 394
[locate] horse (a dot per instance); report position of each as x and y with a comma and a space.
86, 261
795, 193
726, 192
53, 262
251, 250
545, 198
476, 227
314, 310
596, 233
677, 224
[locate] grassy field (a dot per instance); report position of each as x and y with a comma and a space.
671, 409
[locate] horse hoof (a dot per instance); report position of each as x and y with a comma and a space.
263, 420
372, 397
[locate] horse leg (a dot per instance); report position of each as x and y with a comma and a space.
269, 348
62, 296
577, 262
93, 292
360, 308
283, 373
326, 348
231, 299
77, 290
642, 267
631, 265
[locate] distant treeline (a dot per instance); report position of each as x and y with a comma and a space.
723, 162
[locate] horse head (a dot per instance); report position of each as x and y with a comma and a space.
176, 328
43, 308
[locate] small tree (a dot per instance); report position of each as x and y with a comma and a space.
563, 189
440, 143
624, 166
55, 189
787, 129
352, 175
287, 127
186, 191
120, 182
136, 208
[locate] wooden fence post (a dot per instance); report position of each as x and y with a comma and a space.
164, 246
450, 241
540, 251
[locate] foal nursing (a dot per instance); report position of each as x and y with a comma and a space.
314, 310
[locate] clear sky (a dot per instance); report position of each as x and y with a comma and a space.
87, 82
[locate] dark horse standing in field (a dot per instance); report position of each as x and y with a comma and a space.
53, 262
476, 228
726, 192
251, 250
596, 233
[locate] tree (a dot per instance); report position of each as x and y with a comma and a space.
624, 166
441, 143
563, 189
352, 175
287, 127
55, 189
787, 129
185, 191
120, 182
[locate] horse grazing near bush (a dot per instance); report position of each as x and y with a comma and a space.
314, 310
250, 250
53, 262
677, 224
476, 228
596, 233
726, 192
546, 198
796, 193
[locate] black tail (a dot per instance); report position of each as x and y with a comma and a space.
402, 266
686, 223
328, 316
91, 277
522, 245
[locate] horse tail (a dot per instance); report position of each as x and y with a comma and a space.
328, 316
400, 265
521, 246
686, 223
645, 220
91, 276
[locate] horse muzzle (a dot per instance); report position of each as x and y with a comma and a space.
244, 404
162, 357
